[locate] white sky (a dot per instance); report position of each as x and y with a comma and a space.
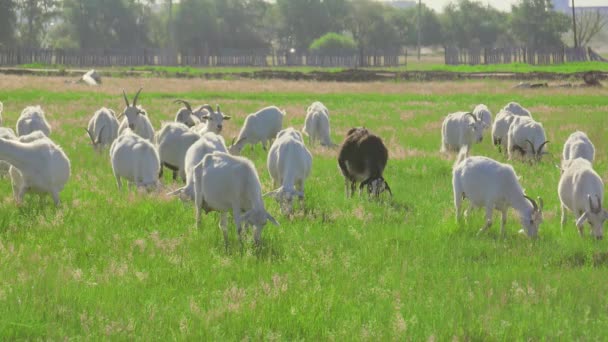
505, 5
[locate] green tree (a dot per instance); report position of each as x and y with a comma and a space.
8, 21
470, 24
333, 44
372, 28
430, 26
534, 23
36, 16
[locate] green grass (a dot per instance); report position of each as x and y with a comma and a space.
566, 68
126, 265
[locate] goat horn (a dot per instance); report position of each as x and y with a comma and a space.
531, 146
471, 115
217, 106
542, 145
533, 202
388, 188
136, 96
126, 98
99, 134
185, 103
207, 107
541, 204
90, 135
520, 149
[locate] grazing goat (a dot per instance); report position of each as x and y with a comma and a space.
484, 115
224, 182
261, 126
102, 128
38, 166
516, 109
32, 119
581, 191
493, 185
460, 129
135, 159
9, 134
174, 139
362, 158
317, 106
207, 144
136, 119
500, 129
316, 125
289, 163
579, 145
527, 137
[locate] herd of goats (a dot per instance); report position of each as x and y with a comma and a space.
218, 179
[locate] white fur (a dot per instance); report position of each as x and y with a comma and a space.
174, 139
102, 128
579, 145
517, 109
317, 106
32, 119
38, 166
207, 144
581, 191
223, 183
140, 124
483, 114
493, 185
261, 126
500, 129
91, 78
316, 125
289, 163
460, 129
522, 131
135, 159
186, 117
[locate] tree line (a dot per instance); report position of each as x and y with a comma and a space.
291, 25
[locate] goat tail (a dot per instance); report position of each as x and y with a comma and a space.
463, 154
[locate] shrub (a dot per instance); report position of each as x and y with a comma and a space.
333, 44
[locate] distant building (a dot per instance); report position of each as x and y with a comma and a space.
401, 3
564, 7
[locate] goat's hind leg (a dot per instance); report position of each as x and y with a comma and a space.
488, 224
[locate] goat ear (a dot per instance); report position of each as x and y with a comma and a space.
271, 219
227, 117
581, 220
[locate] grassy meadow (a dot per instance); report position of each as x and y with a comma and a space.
124, 265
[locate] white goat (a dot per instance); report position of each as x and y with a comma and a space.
39, 166
316, 106
493, 185
136, 119
579, 187
289, 163
91, 78
224, 182
316, 125
517, 109
174, 139
500, 129
9, 134
527, 137
207, 144
484, 115
32, 119
261, 126
579, 145
135, 159
102, 128
460, 129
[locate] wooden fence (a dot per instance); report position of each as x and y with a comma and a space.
475, 56
225, 57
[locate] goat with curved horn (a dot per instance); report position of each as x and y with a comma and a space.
471, 115
534, 204
126, 98
541, 147
185, 103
